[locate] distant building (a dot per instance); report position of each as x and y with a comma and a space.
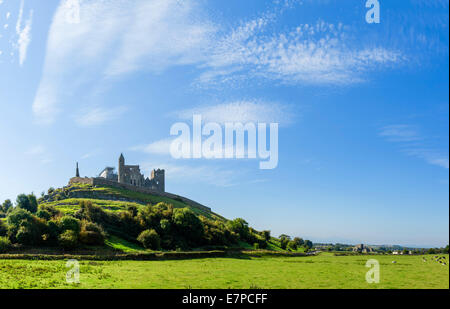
361, 248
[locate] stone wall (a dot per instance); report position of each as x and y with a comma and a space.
86, 181
104, 182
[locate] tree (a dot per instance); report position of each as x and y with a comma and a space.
240, 227
284, 236
33, 203
68, 239
292, 245
27, 202
188, 224
70, 223
7, 206
308, 244
44, 214
266, 235
299, 241
5, 244
92, 234
3, 229
17, 216
283, 243
150, 239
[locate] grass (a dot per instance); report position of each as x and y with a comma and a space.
72, 205
123, 245
323, 272
101, 196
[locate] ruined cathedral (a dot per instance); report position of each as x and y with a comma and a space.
131, 175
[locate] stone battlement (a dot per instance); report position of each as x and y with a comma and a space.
99, 181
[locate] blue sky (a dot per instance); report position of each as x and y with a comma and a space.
362, 108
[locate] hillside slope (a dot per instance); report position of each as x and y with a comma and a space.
100, 217
67, 199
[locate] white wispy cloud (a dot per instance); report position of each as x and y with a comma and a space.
431, 156
24, 33
242, 111
161, 147
400, 133
309, 54
414, 144
94, 116
113, 38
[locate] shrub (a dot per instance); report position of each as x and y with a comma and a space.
91, 238
292, 245
266, 235
256, 246
25, 236
3, 228
70, 223
44, 214
299, 241
17, 216
240, 227
31, 231
68, 239
188, 224
165, 225
92, 234
51, 210
308, 244
52, 230
5, 244
150, 239
284, 236
283, 243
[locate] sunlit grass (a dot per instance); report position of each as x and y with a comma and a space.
324, 271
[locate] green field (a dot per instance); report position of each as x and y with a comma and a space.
323, 272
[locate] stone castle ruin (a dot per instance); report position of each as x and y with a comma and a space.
129, 177
131, 174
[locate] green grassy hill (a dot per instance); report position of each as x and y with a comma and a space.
87, 218
67, 200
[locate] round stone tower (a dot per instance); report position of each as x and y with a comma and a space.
121, 169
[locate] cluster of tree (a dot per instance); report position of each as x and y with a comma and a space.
286, 243
163, 227
436, 250
154, 227
49, 227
